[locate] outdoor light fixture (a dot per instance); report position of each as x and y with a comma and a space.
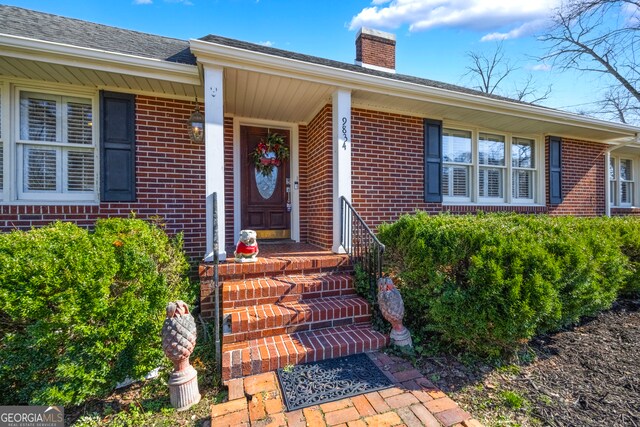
196, 124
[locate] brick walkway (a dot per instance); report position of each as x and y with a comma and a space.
413, 401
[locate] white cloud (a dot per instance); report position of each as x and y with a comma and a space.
504, 18
142, 1
267, 43
540, 67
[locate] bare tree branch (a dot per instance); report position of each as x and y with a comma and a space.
600, 36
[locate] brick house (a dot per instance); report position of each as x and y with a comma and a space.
93, 124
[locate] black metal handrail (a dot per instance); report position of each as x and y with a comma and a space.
215, 285
362, 245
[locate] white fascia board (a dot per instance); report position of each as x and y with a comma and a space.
215, 54
95, 59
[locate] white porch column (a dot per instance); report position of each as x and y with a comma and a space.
214, 155
341, 159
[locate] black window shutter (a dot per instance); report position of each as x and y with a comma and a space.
555, 170
432, 161
117, 147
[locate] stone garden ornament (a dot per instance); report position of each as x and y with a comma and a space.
392, 308
247, 247
178, 342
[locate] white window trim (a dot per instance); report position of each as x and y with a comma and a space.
12, 194
616, 203
508, 199
5, 121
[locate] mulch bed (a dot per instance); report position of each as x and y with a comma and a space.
588, 375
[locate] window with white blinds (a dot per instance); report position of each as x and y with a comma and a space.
56, 148
522, 169
488, 168
622, 177
1, 147
456, 167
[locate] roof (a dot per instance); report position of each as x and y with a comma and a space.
27, 23
349, 67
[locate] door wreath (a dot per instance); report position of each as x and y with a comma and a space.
270, 153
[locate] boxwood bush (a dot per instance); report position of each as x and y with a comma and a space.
489, 282
81, 311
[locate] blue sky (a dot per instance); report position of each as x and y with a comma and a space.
432, 35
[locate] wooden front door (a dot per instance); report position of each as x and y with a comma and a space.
264, 198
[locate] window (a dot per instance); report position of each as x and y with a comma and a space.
491, 160
488, 168
456, 168
1, 146
613, 182
522, 169
621, 181
626, 182
55, 148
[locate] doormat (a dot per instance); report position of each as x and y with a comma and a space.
329, 380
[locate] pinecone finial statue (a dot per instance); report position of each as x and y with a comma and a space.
392, 308
178, 342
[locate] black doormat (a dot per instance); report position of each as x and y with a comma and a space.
330, 380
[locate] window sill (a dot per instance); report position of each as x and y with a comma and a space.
49, 203
479, 204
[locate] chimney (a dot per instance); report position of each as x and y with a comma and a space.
376, 50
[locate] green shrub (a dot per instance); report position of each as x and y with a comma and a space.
489, 282
80, 311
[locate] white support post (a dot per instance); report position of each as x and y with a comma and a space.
214, 155
341, 132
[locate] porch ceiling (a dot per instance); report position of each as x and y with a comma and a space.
272, 97
68, 74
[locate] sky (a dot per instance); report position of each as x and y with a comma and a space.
433, 36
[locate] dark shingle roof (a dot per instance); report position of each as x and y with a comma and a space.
350, 67
44, 26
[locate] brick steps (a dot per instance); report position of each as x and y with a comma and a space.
274, 319
272, 290
268, 354
296, 304
305, 264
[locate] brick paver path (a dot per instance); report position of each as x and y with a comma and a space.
412, 401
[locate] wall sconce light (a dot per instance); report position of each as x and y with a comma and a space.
196, 124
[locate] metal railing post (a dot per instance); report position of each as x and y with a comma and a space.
216, 285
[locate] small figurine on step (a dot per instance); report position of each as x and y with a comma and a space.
392, 308
247, 247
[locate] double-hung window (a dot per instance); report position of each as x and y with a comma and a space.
489, 168
55, 147
522, 169
622, 181
491, 160
456, 168
2, 144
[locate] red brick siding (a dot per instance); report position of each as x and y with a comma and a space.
387, 166
388, 172
377, 51
303, 182
625, 211
319, 187
228, 182
583, 175
169, 180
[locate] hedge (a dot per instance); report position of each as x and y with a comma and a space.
81, 311
487, 283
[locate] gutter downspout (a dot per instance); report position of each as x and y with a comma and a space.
607, 187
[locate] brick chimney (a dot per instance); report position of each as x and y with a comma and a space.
376, 50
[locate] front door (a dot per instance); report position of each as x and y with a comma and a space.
265, 205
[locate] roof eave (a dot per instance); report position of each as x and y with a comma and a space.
217, 54
95, 59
